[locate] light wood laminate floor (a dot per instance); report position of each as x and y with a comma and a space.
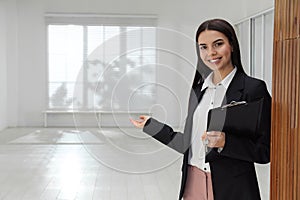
108, 164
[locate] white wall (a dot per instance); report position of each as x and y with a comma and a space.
12, 63
3, 66
27, 66
257, 6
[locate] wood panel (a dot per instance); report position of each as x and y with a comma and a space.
287, 16
285, 136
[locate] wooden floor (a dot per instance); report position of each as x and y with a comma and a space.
112, 164
102, 164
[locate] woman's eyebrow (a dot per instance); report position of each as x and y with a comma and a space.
218, 40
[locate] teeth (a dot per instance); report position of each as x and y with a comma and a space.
214, 60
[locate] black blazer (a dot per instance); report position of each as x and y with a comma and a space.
233, 171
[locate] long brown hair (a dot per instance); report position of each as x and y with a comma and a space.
226, 28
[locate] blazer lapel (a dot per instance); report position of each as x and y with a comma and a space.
195, 96
235, 89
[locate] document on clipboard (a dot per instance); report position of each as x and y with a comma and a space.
241, 118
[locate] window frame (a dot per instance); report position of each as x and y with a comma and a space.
250, 63
121, 20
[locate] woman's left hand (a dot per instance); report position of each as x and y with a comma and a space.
215, 139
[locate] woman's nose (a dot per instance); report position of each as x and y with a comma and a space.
211, 52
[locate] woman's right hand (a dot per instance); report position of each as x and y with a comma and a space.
141, 122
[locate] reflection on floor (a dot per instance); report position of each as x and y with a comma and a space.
52, 163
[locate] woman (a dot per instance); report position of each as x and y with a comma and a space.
219, 80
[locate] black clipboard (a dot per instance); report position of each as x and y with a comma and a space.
240, 118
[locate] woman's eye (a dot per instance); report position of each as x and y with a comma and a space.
202, 47
218, 44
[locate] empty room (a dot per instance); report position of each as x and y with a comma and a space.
89, 88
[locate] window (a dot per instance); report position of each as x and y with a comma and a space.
256, 40
101, 63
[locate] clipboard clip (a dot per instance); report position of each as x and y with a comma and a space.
234, 103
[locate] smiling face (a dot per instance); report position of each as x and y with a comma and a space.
215, 51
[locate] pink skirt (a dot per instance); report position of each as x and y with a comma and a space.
198, 185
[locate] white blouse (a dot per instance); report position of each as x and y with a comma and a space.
212, 98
